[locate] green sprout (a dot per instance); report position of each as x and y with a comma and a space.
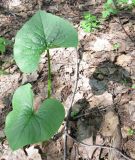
131, 132
3, 44
90, 22
133, 86
110, 9
116, 46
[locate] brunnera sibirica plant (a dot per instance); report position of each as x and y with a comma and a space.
25, 125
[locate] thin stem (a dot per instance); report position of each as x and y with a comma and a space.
78, 60
101, 146
49, 74
132, 40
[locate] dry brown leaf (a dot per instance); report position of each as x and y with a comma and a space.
102, 100
130, 148
124, 60
19, 154
110, 124
8, 83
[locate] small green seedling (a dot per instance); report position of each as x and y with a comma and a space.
125, 81
131, 132
116, 46
74, 114
126, 4
25, 124
90, 22
133, 86
3, 44
109, 9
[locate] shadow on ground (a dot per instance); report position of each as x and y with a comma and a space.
108, 72
87, 121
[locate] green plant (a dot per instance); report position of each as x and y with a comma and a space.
90, 22
2, 72
74, 114
131, 132
133, 86
116, 46
110, 9
3, 43
125, 81
126, 2
25, 124
131, 2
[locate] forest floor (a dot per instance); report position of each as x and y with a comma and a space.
104, 97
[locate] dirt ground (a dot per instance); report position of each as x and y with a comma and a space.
104, 97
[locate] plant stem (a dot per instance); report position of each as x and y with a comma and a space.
49, 74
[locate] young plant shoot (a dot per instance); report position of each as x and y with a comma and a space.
89, 22
3, 44
24, 124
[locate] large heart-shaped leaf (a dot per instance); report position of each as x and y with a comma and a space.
25, 126
43, 31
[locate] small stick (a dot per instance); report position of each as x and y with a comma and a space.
102, 147
115, 5
70, 108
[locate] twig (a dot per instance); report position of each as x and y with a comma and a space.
102, 147
78, 60
132, 40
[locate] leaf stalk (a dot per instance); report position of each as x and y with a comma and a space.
49, 74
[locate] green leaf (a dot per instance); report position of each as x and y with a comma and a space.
2, 72
2, 45
86, 15
116, 46
25, 125
43, 31
90, 22
131, 132
133, 86
110, 2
